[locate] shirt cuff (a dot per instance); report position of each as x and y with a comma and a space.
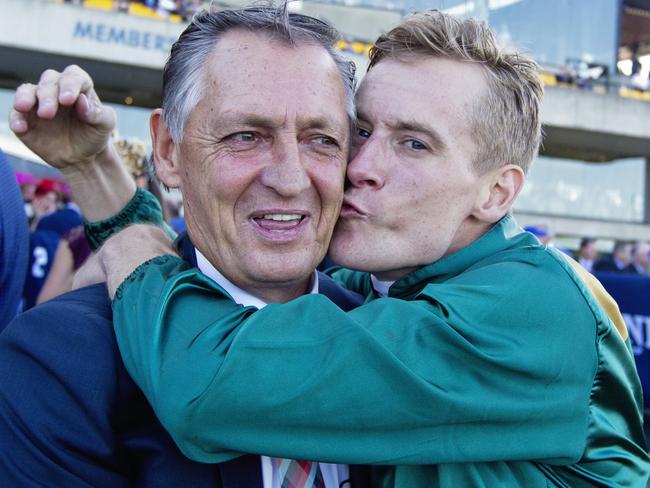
142, 208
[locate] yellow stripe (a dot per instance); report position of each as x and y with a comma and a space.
548, 78
605, 300
636, 94
99, 4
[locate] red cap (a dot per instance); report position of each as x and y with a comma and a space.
45, 186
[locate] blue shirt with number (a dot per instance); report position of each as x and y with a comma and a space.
42, 248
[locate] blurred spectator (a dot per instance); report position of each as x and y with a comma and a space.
619, 260
46, 199
545, 236
637, 80
640, 82
588, 73
587, 253
62, 220
58, 237
14, 238
134, 156
541, 232
43, 245
176, 218
72, 252
636, 64
582, 73
567, 74
27, 184
639, 264
184, 8
166, 7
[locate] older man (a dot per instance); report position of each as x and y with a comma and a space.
69, 414
481, 357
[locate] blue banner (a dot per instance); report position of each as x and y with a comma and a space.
632, 293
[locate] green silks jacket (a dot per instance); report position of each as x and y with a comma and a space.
493, 367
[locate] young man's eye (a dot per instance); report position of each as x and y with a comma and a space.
363, 133
415, 145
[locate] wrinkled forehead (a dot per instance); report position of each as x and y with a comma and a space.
252, 73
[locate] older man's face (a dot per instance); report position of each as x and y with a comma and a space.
413, 188
263, 159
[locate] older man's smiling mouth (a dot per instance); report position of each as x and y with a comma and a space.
280, 225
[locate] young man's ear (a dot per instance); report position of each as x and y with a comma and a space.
499, 193
165, 154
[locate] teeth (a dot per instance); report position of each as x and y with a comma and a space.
282, 217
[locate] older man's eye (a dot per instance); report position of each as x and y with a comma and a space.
243, 137
326, 141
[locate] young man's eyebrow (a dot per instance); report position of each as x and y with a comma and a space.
414, 126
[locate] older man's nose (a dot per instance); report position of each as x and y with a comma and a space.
286, 173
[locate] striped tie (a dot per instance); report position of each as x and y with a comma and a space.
298, 474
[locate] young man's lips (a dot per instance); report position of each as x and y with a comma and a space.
350, 210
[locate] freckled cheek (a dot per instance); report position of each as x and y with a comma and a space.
329, 191
329, 183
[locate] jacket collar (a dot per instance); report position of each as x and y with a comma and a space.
506, 234
185, 248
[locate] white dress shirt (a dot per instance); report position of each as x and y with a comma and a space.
334, 475
381, 287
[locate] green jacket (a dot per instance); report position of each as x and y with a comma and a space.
494, 366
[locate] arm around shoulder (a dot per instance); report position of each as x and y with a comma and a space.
368, 385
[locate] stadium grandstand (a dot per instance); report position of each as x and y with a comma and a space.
591, 177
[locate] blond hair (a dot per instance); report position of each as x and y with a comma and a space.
506, 121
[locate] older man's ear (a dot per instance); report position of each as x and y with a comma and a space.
499, 193
165, 156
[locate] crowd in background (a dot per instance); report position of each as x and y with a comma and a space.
638, 80
57, 243
631, 257
164, 8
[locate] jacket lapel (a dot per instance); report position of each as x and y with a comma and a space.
185, 248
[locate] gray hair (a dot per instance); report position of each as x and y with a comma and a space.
182, 77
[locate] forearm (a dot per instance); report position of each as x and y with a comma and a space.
360, 387
101, 187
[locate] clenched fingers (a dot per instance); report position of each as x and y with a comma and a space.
72, 83
18, 122
25, 98
47, 94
